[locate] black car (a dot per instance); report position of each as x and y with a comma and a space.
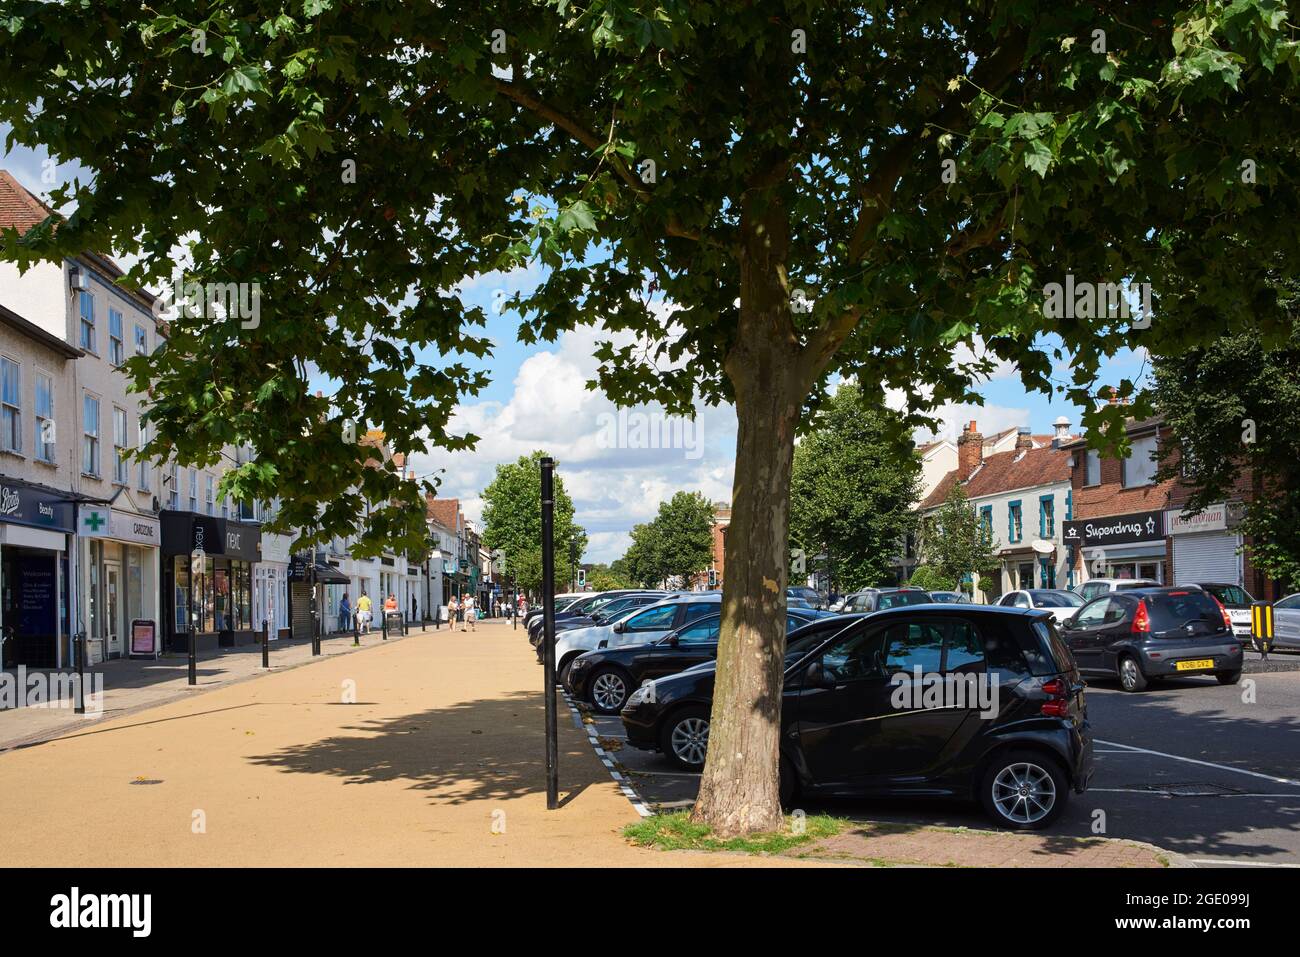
1145, 633
854, 723
605, 678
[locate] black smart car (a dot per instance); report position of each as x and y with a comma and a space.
1147, 633
605, 678
963, 701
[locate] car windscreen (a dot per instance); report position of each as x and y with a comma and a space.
1056, 599
1183, 610
1231, 595
897, 599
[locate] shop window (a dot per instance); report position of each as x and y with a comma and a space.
11, 400
181, 596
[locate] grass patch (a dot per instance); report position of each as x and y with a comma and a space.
676, 832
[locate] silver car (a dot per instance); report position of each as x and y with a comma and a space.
1286, 622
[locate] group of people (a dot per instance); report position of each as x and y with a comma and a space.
464, 611
364, 611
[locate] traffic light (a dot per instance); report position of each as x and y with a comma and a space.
713, 578
582, 578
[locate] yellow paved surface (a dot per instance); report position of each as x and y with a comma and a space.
438, 762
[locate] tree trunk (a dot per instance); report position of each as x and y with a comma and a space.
738, 789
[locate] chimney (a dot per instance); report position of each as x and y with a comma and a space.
970, 452
1023, 439
1062, 426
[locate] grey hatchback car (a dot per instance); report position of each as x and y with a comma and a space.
1143, 634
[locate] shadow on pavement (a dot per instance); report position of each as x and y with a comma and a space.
471, 751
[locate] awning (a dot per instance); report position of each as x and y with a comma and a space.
1141, 550
325, 574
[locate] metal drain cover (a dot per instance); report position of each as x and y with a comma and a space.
1193, 789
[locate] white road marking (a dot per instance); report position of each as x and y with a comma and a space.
1219, 861
1207, 764
1154, 789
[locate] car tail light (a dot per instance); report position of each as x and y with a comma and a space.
1141, 620
1227, 619
1057, 704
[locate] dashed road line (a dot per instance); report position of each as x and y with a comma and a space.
594, 735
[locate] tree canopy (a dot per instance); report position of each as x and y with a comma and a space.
675, 546
856, 477
512, 519
954, 542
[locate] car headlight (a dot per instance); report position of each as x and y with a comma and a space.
579, 663
638, 696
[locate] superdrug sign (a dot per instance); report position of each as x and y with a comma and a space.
1116, 529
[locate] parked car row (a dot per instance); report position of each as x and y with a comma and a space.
654, 664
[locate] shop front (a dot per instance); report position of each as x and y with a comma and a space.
315, 589
1119, 546
35, 525
1206, 547
119, 558
271, 585
213, 594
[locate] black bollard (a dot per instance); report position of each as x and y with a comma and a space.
383, 626
80, 642
266, 645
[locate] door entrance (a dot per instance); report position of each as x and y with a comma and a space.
113, 609
28, 603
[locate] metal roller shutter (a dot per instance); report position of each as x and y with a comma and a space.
300, 611
1207, 557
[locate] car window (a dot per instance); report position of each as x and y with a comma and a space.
854, 656
860, 603
700, 609
1116, 610
1092, 614
1290, 601
897, 599
1178, 609
913, 644
1056, 599
1022, 600
1092, 590
1007, 600
1231, 595
701, 633
652, 619
963, 649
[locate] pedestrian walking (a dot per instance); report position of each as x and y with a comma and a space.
345, 613
364, 613
453, 610
471, 614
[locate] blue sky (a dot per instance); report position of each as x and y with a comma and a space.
537, 400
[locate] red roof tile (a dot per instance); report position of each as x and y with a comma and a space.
19, 209
443, 511
1006, 472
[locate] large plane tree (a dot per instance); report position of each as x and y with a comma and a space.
895, 191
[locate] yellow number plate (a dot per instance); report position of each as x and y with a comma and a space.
1196, 665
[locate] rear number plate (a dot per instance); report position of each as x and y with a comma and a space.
1198, 665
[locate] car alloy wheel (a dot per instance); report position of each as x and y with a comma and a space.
1024, 793
608, 691
690, 740
1130, 675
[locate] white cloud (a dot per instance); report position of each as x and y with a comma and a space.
613, 486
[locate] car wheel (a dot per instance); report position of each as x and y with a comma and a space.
685, 738
1228, 677
607, 689
1024, 790
562, 672
1131, 677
